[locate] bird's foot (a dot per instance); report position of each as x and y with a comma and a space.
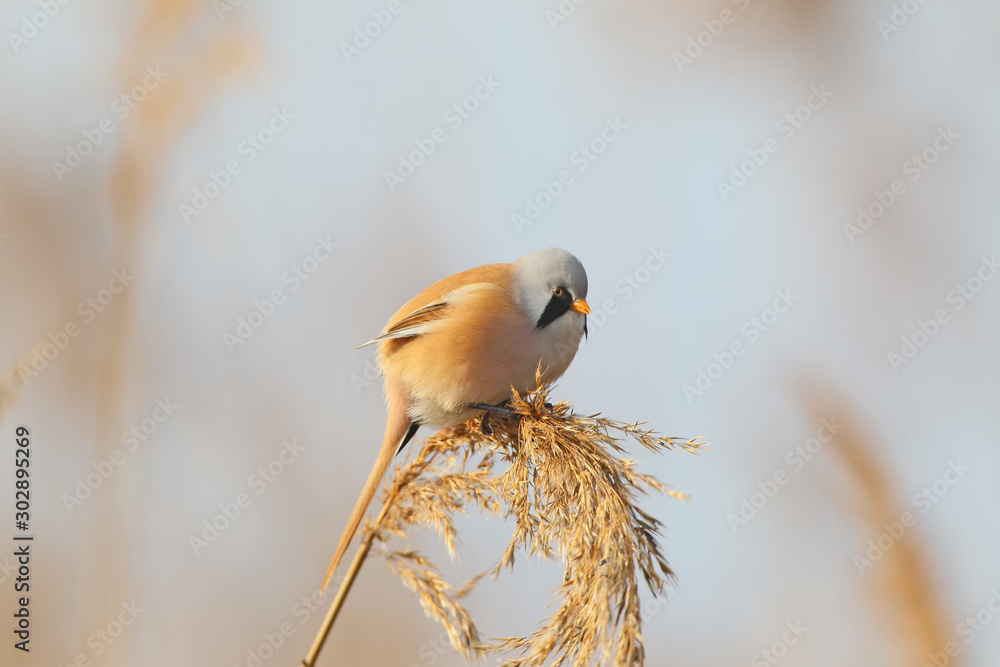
495, 409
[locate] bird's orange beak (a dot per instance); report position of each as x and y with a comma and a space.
580, 306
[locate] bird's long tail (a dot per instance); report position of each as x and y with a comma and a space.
398, 429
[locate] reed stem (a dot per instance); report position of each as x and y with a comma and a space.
344, 589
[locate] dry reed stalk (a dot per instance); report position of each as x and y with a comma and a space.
903, 583
200, 63
559, 477
7, 395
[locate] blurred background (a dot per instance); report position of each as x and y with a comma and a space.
788, 215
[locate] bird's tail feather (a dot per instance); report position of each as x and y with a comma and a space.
397, 428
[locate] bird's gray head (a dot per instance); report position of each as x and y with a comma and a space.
548, 283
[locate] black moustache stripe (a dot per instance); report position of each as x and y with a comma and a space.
556, 308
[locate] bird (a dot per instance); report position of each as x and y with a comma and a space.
458, 348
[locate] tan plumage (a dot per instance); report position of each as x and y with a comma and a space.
467, 339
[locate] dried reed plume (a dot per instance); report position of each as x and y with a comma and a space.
559, 477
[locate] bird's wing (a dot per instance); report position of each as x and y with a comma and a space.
421, 313
414, 324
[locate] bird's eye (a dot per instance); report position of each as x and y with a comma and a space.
558, 291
